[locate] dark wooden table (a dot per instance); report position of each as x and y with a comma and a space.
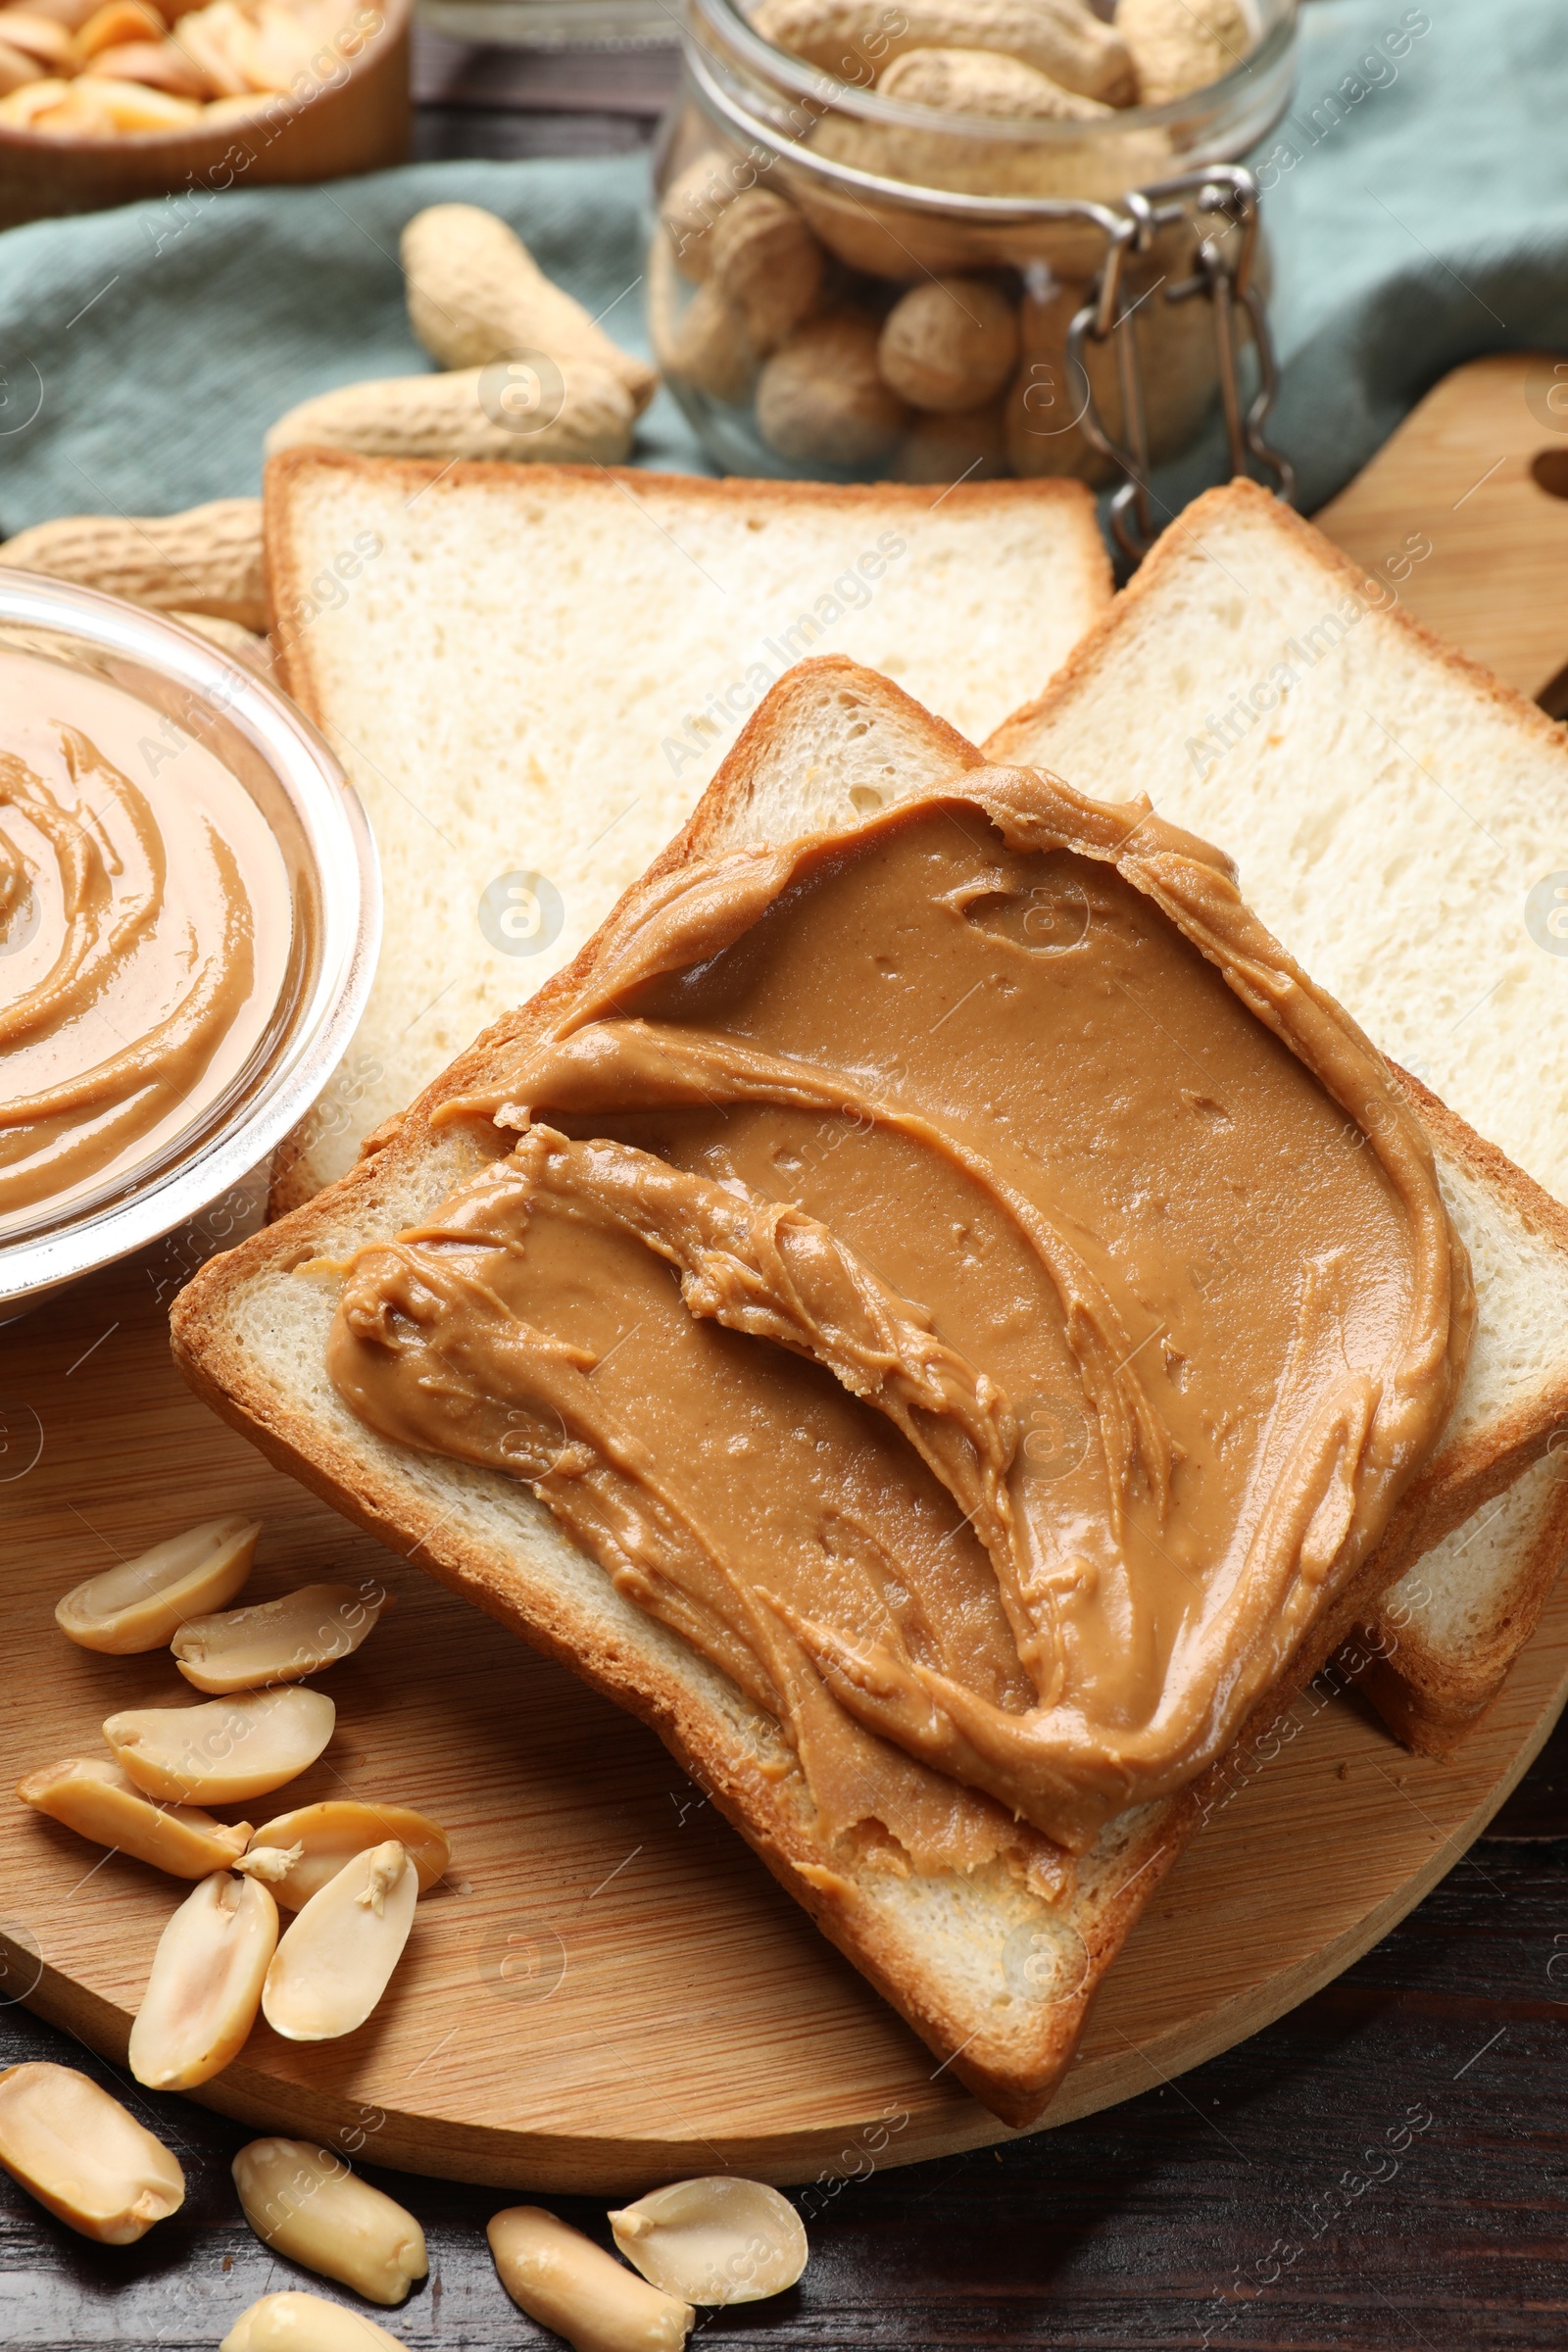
1387, 2168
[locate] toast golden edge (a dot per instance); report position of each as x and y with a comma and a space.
1428, 1702
286, 585
221, 1374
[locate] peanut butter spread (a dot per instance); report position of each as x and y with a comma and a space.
962, 1278
144, 932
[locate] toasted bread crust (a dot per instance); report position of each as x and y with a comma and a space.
1012, 2075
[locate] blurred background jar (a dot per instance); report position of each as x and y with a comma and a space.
878, 220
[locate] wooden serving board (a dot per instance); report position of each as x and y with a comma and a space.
1478, 475
609, 1991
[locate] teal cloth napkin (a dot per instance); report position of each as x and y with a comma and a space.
1417, 200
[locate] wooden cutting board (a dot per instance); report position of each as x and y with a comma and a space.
1477, 477
609, 1991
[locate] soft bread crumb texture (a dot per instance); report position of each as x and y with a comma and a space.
1521, 1279
539, 677
1391, 810
1456, 1597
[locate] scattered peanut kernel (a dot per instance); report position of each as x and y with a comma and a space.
225, 1751
715, 2239
98, 1800
143, 1603
298, 1852
296, 2323
206, 1983
81, 2154
338, 1956
278, 1640
307, 2204
561, 2278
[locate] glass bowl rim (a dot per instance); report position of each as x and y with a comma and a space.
341, 852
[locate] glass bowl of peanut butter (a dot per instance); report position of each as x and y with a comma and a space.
189, 917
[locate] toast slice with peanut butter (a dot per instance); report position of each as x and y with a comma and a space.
940, 1319
1396, 816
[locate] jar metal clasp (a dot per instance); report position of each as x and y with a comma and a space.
1221, 202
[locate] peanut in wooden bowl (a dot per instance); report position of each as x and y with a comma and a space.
360, 122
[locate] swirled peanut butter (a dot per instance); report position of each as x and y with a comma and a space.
144, 931
962, 1278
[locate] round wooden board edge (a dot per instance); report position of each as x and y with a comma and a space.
564, 2165
1119, 2076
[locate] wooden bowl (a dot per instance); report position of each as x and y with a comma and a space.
359, 123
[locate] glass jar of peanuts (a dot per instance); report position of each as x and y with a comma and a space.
935, 239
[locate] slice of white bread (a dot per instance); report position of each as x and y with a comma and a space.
1401, 821
996, 1978
532, 671
1444, 1635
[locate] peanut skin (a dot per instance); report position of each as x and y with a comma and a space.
852, 39
475, 294
950, 344
206, 559
472, 413
980, 81
766, 264
820, 400
1181, 45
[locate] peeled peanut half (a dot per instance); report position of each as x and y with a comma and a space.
562, 2279
307, 2204
99, 1800
113, 24
714, 2239
338, 1953
300, 1851
206, 1983
81, 2154
296, 2323
143, 1603
278, 1640
227, 1751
